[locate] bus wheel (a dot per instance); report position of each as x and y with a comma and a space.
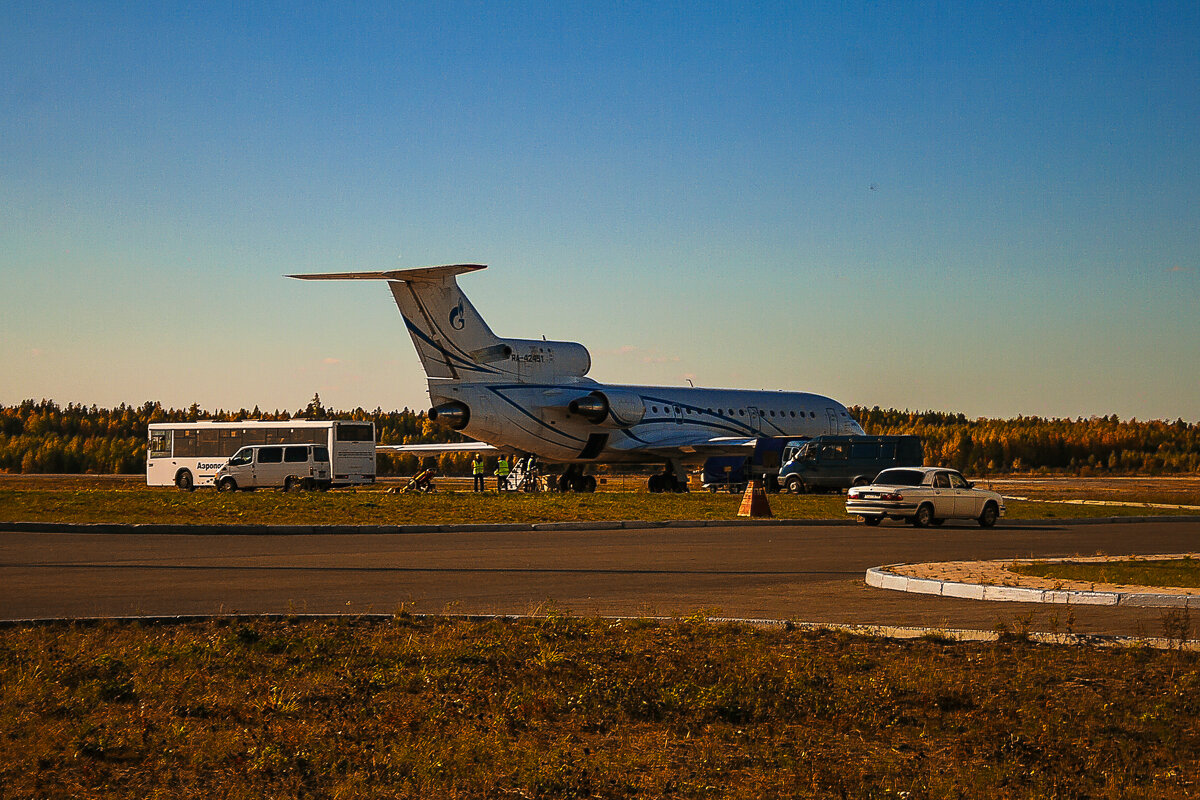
227, 485
184, 481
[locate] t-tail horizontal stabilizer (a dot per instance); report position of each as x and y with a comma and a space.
452, 340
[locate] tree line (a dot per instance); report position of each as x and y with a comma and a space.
44, 437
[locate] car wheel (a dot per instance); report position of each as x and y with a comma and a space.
988, 517
795, 484
924, 516
227, 485
870, 519
184, 481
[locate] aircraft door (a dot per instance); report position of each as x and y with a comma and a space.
754, 419
831, 418
677, 413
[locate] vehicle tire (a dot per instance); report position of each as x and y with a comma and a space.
870, 519
564, 483
987, 518
184, 481
587, 484
289, 484
924, 516
712, 490
795, 485
654, 484
227, 485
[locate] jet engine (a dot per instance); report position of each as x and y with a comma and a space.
610, 409
453, 415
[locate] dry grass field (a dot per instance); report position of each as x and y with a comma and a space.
565, 707
122, 499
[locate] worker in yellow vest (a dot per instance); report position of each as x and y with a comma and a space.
502, 471
477, 472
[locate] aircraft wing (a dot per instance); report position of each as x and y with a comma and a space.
435, 449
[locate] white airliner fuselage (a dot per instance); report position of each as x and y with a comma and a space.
532, 396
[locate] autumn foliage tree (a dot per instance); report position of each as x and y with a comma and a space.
44, 437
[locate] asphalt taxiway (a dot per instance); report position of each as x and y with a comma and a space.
812, 573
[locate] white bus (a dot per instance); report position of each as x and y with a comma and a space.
188, 454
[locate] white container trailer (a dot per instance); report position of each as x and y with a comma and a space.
188, 454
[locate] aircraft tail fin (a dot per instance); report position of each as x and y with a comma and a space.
452, 340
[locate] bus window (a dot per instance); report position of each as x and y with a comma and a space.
295, 455
354, 432
185, 444
160, 444
270, 455
208, 443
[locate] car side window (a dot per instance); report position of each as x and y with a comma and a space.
270, 455
957, 481
941, 481
297, 454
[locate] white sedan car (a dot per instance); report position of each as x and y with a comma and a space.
923, 496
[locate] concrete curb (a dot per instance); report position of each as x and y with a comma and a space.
884, 578
498, 527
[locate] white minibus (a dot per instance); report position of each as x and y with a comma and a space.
188, 454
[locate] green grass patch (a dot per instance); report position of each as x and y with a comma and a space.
1173, 572
374, 507
568, 707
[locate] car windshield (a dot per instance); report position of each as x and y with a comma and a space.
899, 477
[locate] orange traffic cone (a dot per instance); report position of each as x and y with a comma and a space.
754, 502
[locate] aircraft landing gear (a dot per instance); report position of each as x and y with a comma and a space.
673, 478
573, 480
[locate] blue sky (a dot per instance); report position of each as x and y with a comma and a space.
987, 208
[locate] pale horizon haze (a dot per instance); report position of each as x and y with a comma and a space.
983, 208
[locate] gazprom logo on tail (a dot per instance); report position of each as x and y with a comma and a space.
457, 321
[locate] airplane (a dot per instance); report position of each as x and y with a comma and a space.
533, 396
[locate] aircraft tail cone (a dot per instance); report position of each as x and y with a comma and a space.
754, 502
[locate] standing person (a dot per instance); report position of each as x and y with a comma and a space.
477, 472
502, 473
